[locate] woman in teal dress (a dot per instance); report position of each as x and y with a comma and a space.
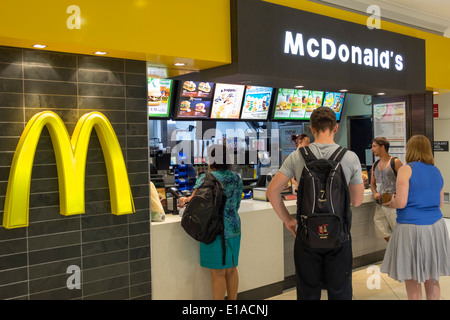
224, 278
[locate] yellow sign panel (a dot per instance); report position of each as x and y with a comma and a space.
70, 157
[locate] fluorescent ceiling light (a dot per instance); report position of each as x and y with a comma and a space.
39, 46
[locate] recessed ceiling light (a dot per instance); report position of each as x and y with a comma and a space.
39, 46
381, 94
343, 90
299, 86
100, 52
179, 64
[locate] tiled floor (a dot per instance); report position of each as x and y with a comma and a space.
370, 284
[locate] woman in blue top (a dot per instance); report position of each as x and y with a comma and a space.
419, 250
224, 278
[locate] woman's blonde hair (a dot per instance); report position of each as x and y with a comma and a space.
418, 148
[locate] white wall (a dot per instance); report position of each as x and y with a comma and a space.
442, 133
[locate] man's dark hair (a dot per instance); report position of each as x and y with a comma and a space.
382, 141
221, 162
323, 118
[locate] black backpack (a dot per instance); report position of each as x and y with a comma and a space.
323, 201
203, 217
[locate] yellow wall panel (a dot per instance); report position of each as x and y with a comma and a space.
163, 32
143, 29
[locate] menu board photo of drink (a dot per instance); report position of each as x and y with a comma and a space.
335, 101
159, 97
227, 101
256, 103
296, 104
195, 100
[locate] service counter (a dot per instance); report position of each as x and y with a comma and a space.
266, 257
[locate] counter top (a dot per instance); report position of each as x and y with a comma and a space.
250, 205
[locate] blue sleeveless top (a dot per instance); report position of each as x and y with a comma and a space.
424, 197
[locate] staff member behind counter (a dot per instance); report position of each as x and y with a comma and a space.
224, 278
301, 140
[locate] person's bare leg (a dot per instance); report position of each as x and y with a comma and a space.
413, 290
218, 284
232, 280
432, 290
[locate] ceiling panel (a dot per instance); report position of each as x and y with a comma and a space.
430, 15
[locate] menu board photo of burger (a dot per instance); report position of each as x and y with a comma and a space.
313, 102
194, 108
195, 100
196, 89
256, 103
290, 104
296, 104
159, 97
227, 101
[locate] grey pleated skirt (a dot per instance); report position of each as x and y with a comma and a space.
418, 252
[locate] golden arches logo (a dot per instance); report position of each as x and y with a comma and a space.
70, 157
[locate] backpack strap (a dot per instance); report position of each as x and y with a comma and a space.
338, 154
222, 210
375, 164
393, 165
307, 154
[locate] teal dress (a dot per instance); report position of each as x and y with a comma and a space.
211, 254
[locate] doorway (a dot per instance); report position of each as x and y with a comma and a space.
360, 136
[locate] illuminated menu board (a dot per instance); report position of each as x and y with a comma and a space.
227, 101
335, 101
296, 104
195, 99
159, 97
256, 103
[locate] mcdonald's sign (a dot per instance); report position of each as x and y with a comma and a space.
70, 154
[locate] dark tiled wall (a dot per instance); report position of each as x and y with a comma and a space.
113, 252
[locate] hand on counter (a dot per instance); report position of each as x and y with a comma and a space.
182, 202
377, 196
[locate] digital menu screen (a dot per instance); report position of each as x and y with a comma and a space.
159, 97
256, 103
227, 101
195, 100
296, 104
335, 101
